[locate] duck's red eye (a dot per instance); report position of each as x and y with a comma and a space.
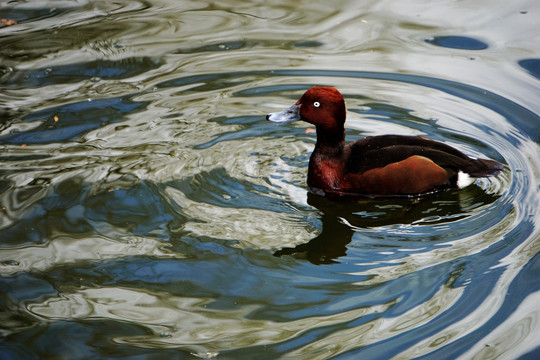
316, 104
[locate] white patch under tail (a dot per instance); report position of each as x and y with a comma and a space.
464, 180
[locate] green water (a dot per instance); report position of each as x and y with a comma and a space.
148, 209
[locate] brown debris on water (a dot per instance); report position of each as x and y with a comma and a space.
7, 22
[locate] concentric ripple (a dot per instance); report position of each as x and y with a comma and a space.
149, 247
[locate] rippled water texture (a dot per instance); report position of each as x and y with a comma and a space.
148, 210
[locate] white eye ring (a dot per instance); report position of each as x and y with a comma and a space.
316, 104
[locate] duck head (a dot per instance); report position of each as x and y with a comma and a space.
323, 107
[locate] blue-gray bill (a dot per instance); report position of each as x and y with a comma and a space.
291, 114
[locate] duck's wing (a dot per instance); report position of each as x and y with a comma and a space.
379, 151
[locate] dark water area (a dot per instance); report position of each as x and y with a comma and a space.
148, 210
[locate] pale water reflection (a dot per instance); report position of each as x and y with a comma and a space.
148, 209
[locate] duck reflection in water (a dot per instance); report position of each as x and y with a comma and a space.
341, 220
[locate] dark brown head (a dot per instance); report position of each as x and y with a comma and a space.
323, 107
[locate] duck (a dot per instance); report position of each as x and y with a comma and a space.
382, 165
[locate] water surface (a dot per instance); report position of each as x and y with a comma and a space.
147, 208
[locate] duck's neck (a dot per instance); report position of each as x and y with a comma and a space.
330, 143
327, 162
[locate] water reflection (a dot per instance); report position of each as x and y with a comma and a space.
76, 72
70, 121
532, 66
143, 195
339, 221
458, 42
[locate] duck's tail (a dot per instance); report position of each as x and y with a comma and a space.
483, 168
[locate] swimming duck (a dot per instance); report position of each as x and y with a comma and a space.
386, 165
